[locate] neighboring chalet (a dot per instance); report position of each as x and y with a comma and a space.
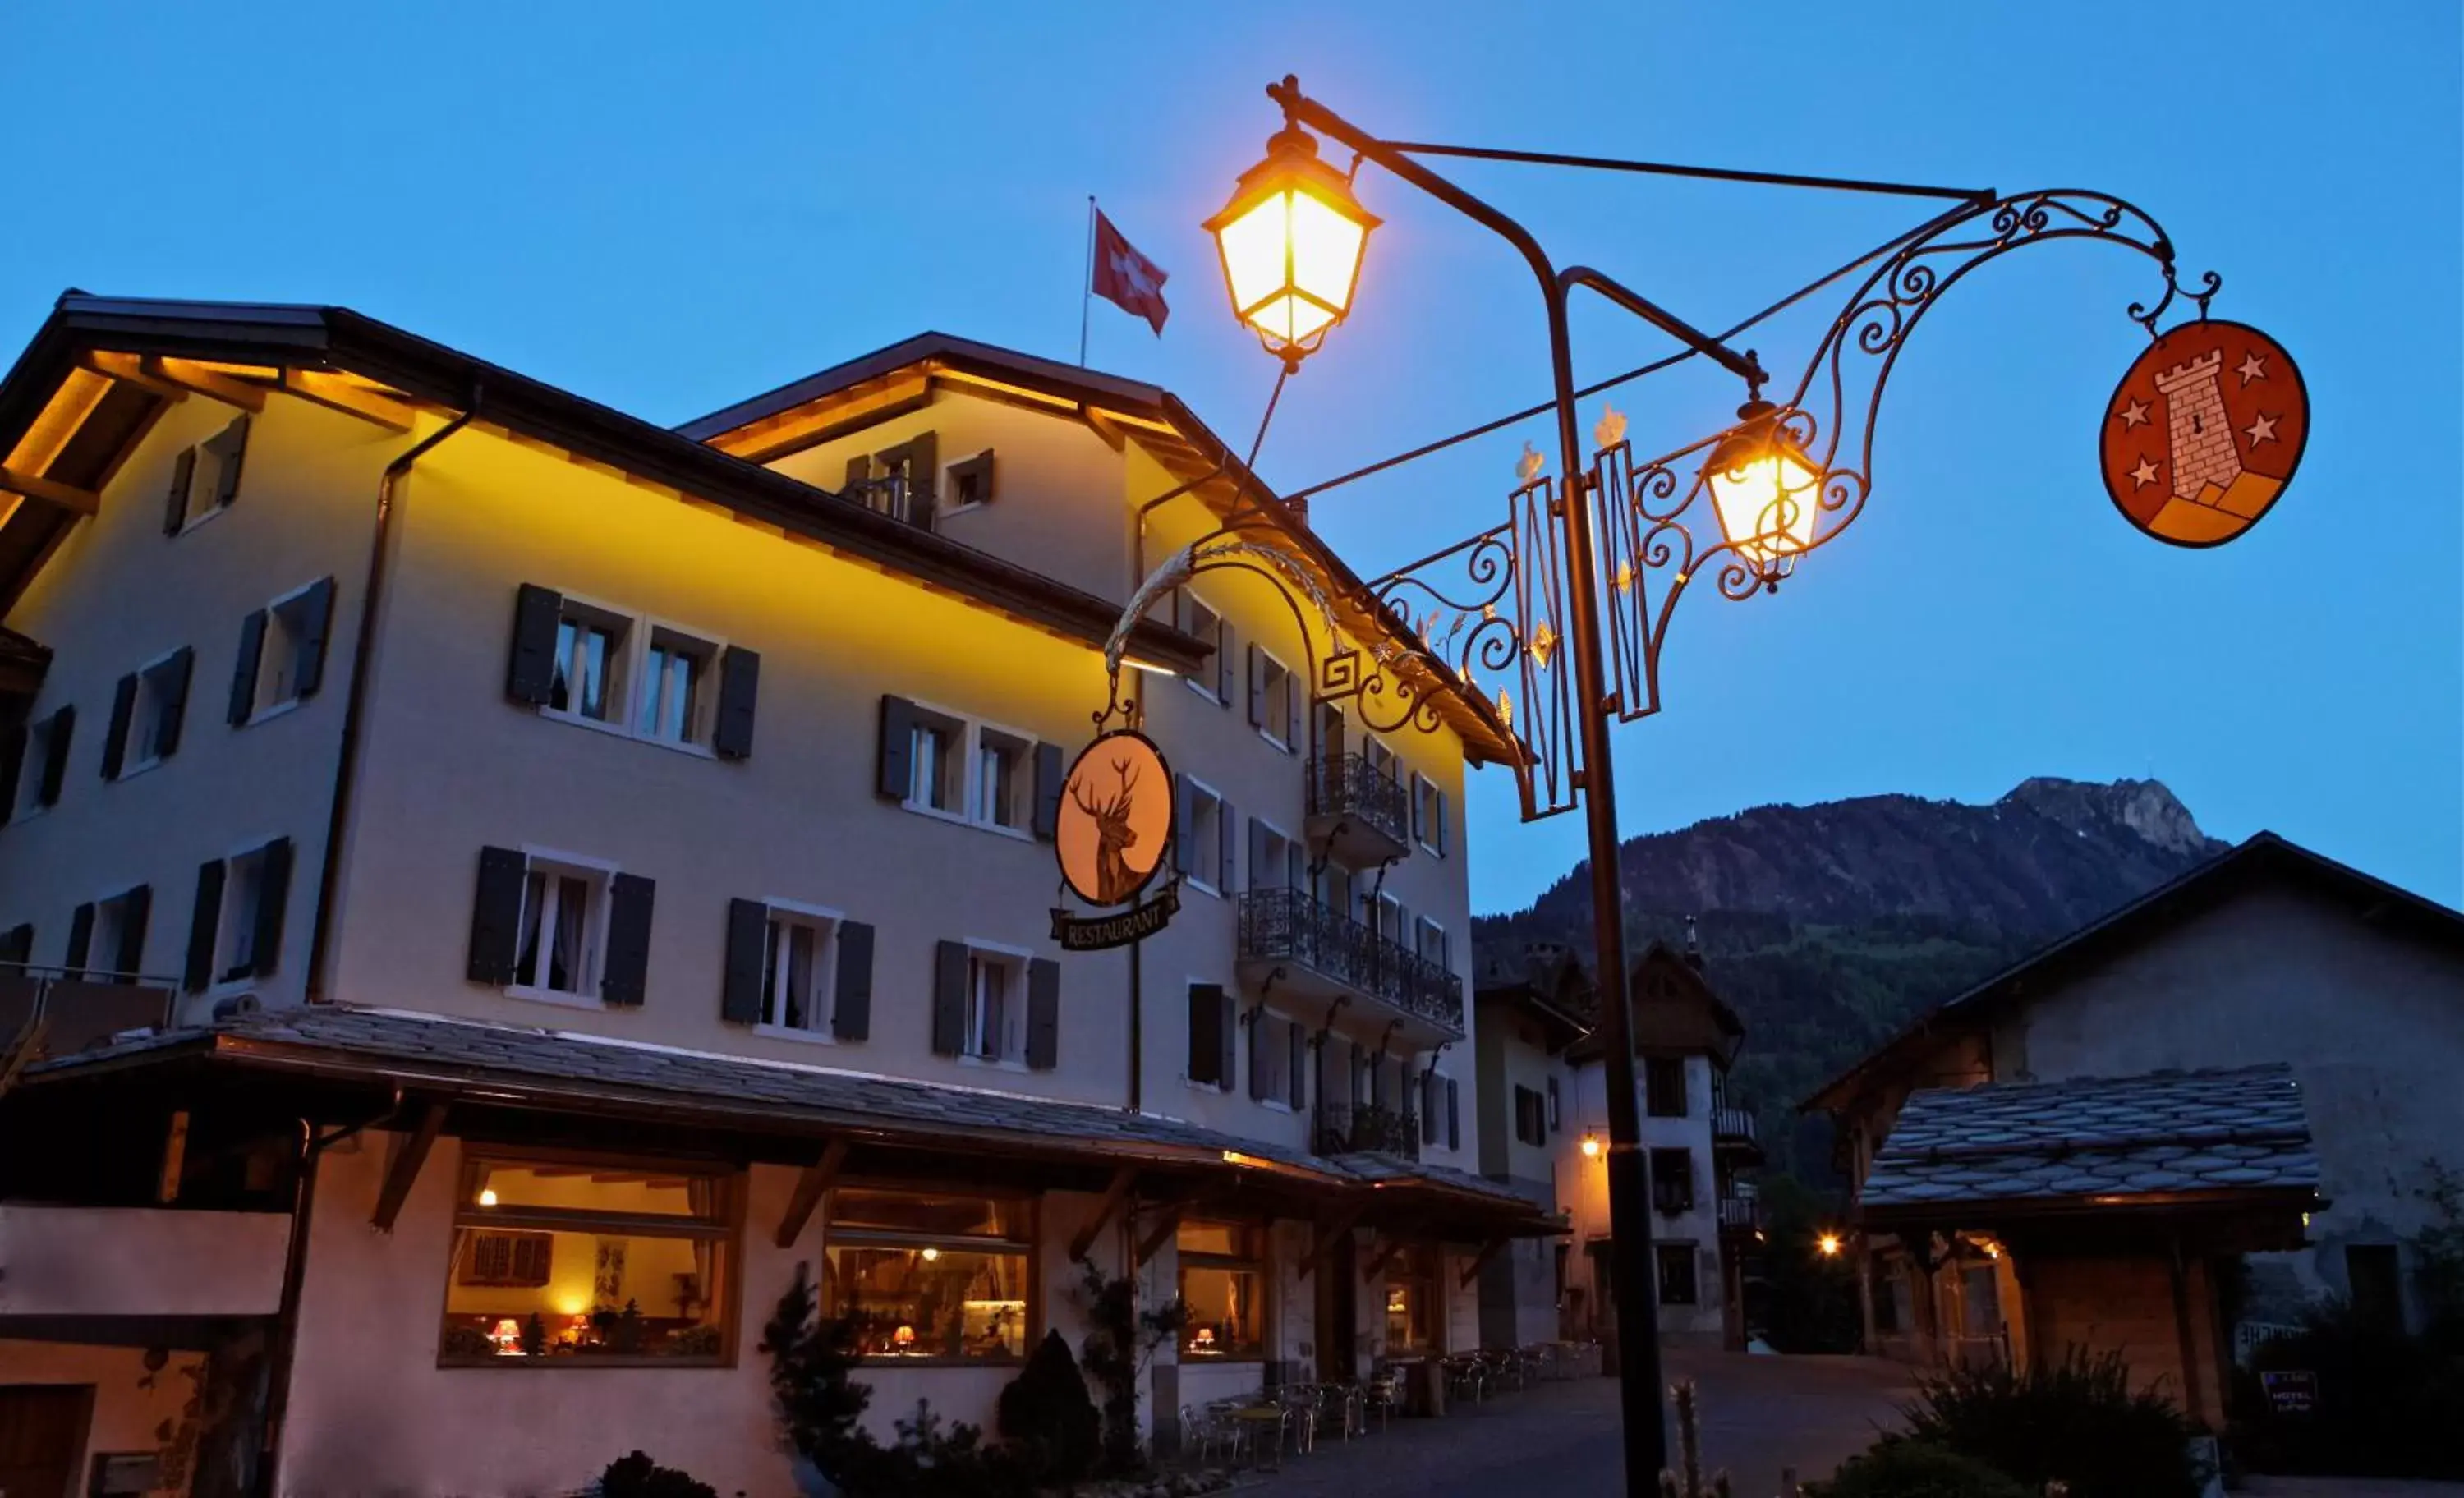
496, 885
2257, 1059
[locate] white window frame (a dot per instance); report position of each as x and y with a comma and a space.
629, 663
1201, 863
1203, 682
1281, 698
263, 706
1422, 929
821, 1005
970, 810
1425, 828
103, 937
1281, 860
29, 768
602, 875
221, 979
144, 723
1386, 917
947, 488
1011, 1052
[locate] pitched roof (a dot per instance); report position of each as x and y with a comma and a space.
1710, 1025
560, 1068
2104, 1139
2264, 856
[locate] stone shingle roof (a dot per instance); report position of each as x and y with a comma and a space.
438, 1044
2163, 1132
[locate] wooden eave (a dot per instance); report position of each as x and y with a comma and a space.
100, 373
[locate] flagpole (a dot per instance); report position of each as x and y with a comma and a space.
1087, 282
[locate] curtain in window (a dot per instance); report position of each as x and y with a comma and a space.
534, 898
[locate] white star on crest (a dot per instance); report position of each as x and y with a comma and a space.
2253, 366
1133, 270
2263, 430
2134, 414
2142, 475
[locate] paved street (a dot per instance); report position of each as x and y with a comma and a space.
1759, 1414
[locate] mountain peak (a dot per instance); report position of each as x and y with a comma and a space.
2145, 808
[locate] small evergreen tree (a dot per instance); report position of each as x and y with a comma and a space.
1046, 1410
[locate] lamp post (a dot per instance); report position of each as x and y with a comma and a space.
1557, 595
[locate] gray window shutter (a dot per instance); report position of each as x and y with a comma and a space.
1206, 1004
183, 665
135, 906
274, 896
56, 754
496, 916
115, 743
851, 1007
81, 938
1257, 688
923, 478
949, 998
1262, 870
896, 758
175, 503
1439, 797
17, 946
319, 622
12, 768
1050, 773
1042, 1014
748, 942
1180, 850
252, 646
1295, 867
628, 978
1419, 823
1227, 848
1296, 1036
1428, 1107
1296, 708
1226, 1028
232, 446
205, 921
740, 683
1223, 643
530, 669
1258, 1068
859, 473
1454, 1117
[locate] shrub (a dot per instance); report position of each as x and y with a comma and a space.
2080, 1422
1048, 1411
637, 1476
1902, 1468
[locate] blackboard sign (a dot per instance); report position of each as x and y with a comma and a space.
2291, 1391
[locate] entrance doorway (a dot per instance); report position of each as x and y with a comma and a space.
1338, 1313
42, 1438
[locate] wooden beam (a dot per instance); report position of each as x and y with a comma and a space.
1480, 1261
1384, 1256
1164, 1227
336, 392
1104, 427
1115, 1194
130, 368
1333, 1231
175, 1159
33, 486
210, 383
818, 1177
408, 1157
773, 437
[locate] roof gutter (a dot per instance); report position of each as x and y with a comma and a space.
346, 765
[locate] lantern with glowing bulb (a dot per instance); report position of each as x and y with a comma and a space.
1767, 491
1590, 1146
1829, 1245
1291, 239
929, 1254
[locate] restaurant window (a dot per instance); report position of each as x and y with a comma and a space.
1223, 1284
1674, 1264
589, 1262
929, 1275
1412, 1301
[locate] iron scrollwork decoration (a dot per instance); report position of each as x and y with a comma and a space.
1492, 605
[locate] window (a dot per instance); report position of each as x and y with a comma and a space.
205, 479
1672, 1181
991, 978
1276, 862
1387, 919
236, 932
43, 766
1411, 1301
1674, 1266
589, 1261
1274, 700
115, 945
1429, 939
282, 651
590, 658
1296, 1065
992, 1004
1195, 617
1556, 1119
146, 716
1211, 1021
676, 670
1276, 1046
1222, 1284
1004, 780
796, 967
1204, 847
1428, 815
962, 769
970, 480
930, 1276
1531, 1119
1664, 1086
936, 751
561, 922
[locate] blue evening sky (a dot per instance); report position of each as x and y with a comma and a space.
667, 208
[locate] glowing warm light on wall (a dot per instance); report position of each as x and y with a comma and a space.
1590, 1146
487, 1196
930, 1255
1829, 1245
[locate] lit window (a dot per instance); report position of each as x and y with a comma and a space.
795, 972
940, 783
991, 979
1004, 780
1222, 1284
589, 664
561, 929
929, 1276
1411, 1301
674, 671
586, 1263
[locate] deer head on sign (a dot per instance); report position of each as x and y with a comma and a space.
1114, 880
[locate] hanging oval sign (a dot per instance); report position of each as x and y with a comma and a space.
1115, 820
2204, 433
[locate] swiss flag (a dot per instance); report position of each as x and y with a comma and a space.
1126, 278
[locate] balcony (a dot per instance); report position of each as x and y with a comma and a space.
1305, 948
78, 1010
1368, 1127
1356, 810
1739, 1214
140, 1262
1733, 1130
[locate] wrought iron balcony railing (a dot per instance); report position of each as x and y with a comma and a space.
1370, 1128
1348, 786
1741, 1214
1295, 926
1732, 1126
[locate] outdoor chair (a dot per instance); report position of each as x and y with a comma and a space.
1467, 1379
1299, 1401
1204, 1431
1341, 1403
1382, 1393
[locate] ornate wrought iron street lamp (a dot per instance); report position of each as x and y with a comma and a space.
1566, 600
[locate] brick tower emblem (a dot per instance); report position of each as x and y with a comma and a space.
2199, 431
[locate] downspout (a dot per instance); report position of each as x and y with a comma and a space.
280, 1354
354, 706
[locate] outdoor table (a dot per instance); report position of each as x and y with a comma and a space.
1263, 1416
